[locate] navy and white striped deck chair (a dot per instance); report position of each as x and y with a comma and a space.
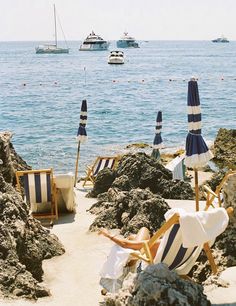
215, 198
40, 192
100, 163
171, 250
177, 167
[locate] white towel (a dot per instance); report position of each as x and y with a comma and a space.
65, 182
200, 227
116, 260
176, 167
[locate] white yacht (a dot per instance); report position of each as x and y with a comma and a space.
94, 42
116, 57
221, 39
127, 41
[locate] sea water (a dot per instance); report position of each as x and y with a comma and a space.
40, 97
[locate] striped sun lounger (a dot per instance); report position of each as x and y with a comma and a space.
171, 250
40, 192
177, 167
100, 163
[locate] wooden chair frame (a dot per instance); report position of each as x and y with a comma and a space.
54, 207
90, 169
145, 253
211, 195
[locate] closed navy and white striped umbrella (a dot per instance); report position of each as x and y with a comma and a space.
197, 152
82, 134
157, 143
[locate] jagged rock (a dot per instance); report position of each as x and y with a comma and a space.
103, 182
155, 286
24, 242
229, 195
10, 161
175, 189
142, 171
129, 210
122, 183
225, 148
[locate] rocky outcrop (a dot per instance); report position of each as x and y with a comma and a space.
227, 240
155, 286
225, 148
24, 242
10, 161
129, 210
142, 171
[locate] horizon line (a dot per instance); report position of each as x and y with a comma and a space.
45, 40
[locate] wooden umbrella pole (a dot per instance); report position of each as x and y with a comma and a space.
77, 163
196, 189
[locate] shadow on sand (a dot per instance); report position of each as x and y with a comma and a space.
65, 217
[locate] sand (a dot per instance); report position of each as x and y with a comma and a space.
73, 278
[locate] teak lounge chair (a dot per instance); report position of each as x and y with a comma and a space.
171, 250
215, 197
100, 163
40, 191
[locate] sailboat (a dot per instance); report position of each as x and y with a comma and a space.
52, 48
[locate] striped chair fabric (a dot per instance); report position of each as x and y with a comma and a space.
103, 163
172, 252
100, 163
37, 187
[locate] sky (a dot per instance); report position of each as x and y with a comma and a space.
23, 20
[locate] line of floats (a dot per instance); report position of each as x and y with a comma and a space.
148, 80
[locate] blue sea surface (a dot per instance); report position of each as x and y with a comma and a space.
123, 100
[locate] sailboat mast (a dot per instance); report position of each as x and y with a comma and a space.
55, 24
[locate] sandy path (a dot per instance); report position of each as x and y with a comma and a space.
73, 278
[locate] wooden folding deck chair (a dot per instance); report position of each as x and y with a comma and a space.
177, 167
100, 163
213, 197
171, 250
39, 190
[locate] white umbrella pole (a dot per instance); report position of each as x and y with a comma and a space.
77, 163
196, 189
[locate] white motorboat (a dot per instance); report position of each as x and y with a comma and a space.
52, 48
116, 57
94, 42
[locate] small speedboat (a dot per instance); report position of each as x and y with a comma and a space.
116, 57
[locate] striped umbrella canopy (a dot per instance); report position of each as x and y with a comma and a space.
157, 143
197, 152
81, 134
